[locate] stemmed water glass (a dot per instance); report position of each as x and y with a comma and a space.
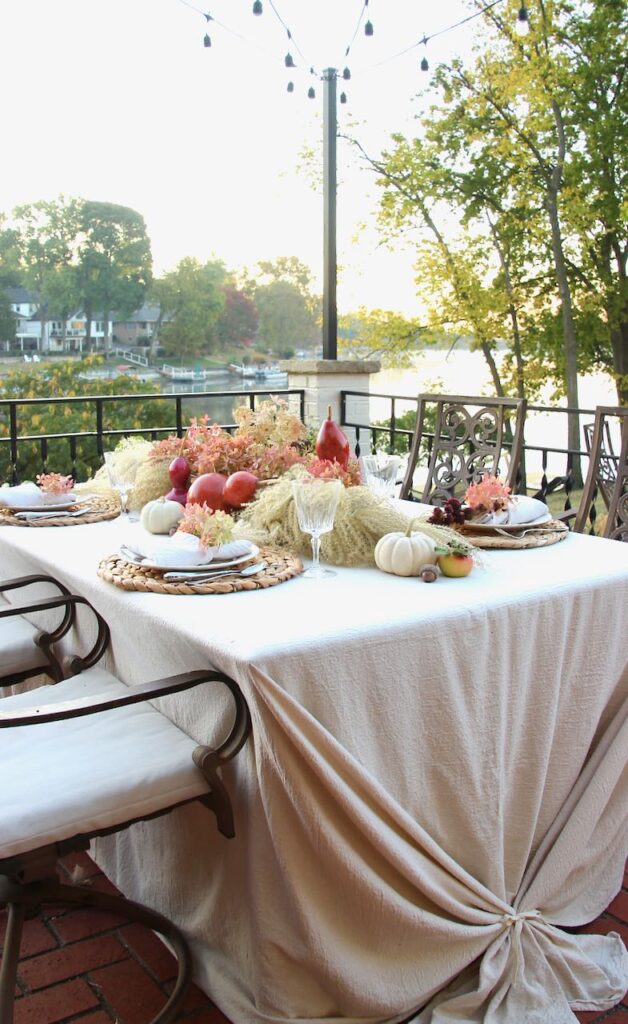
380, 473
316, 502
122, 481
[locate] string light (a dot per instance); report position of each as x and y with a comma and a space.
522, 24
522, 27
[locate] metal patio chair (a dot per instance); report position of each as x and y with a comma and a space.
608, 475
468, 438
90, 759
26, 650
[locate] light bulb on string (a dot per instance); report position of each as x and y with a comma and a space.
368, 28
311, 93
288, 61
343, 97
425, 64
290, 87
346, 74
257, 7
522, 24
207, 41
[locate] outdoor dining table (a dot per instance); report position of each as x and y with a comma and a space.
435, 785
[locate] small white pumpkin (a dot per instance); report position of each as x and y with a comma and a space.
161, 515
404, 554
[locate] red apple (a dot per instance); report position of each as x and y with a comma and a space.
455, 564
208, 489
239, 488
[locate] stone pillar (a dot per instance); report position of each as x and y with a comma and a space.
322, 380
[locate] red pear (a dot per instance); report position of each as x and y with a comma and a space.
331, 443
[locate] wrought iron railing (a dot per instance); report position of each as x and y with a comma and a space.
73, 449
389, 433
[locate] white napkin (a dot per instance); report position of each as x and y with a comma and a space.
182, 549
521, 511
27, 494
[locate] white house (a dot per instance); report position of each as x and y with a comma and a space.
28, 328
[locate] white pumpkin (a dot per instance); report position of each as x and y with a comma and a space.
404, 554
161, 515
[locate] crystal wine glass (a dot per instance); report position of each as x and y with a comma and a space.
316, 502
380, 472
122, 481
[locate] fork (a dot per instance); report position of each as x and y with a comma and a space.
53, 515
547, 528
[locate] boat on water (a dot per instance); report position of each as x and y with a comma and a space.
259, 372
181, 373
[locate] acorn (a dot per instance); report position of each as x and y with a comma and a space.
429, 573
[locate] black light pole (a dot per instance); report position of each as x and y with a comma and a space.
330, 313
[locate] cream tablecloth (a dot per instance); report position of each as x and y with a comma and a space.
435, 784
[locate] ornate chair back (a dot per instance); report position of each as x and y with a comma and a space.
471, 436
608, 474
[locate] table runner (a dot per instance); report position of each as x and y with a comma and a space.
406, 804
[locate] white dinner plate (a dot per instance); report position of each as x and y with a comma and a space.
56, 507
509, 527
215, 564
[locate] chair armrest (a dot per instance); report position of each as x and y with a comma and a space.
90, 705
46, 639
24, 581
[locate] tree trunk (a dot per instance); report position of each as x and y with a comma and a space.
570, 343
619, 341
106, 335
154, 341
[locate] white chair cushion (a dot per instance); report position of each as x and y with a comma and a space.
18, 652
92, 773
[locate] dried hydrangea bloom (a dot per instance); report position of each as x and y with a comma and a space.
489, 495
212, 528
55, 483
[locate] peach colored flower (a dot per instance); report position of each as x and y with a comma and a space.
55, 483
211, 528
489, 495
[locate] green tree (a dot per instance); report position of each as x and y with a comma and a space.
238, 322
191, 299
114, 263
63, 380
526, 151
47, 233
286, 320
379, 334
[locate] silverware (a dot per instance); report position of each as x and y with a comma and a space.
207, 577
559, 528
54, 515
131, 556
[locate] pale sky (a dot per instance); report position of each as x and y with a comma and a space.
120, 101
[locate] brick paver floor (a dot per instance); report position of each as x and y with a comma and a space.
88, 967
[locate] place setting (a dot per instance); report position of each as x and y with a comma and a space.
191, 549
489, 516
52, 501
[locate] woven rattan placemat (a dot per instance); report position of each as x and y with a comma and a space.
539, 537
280, 566
101, 508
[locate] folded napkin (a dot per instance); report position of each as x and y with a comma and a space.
28, 494
520, 512
182, 549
